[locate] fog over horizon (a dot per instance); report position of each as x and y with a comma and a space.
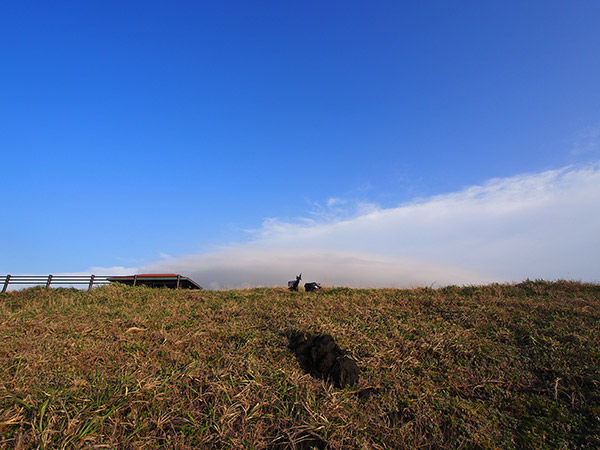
540, 225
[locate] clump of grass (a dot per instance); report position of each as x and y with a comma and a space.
498, 366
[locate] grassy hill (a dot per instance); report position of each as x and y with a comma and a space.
498, 366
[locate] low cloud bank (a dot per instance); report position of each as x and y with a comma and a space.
252, 267
542, 225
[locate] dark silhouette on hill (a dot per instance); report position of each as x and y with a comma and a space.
322, 358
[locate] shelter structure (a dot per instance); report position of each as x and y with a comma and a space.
169, 280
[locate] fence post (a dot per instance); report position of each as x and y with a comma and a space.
6, 281
135, 279
178, 278
49, 281
91, 282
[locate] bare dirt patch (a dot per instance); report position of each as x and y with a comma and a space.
322, 358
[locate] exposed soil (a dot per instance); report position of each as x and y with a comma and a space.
322, 358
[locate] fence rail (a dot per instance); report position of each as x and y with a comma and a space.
49, 280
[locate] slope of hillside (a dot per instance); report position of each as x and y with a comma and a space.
498, 366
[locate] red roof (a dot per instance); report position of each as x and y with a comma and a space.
172, 280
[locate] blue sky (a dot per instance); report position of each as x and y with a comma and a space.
194, 136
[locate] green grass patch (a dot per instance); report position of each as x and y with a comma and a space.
497, 366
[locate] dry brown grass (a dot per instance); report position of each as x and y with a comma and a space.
499, 366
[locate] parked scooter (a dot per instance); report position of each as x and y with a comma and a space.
293, 285
308, 287
312, 286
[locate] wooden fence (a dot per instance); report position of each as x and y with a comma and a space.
48, 280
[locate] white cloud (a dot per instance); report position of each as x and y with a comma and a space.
252, 266
332, 201
588, 142
542, 225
